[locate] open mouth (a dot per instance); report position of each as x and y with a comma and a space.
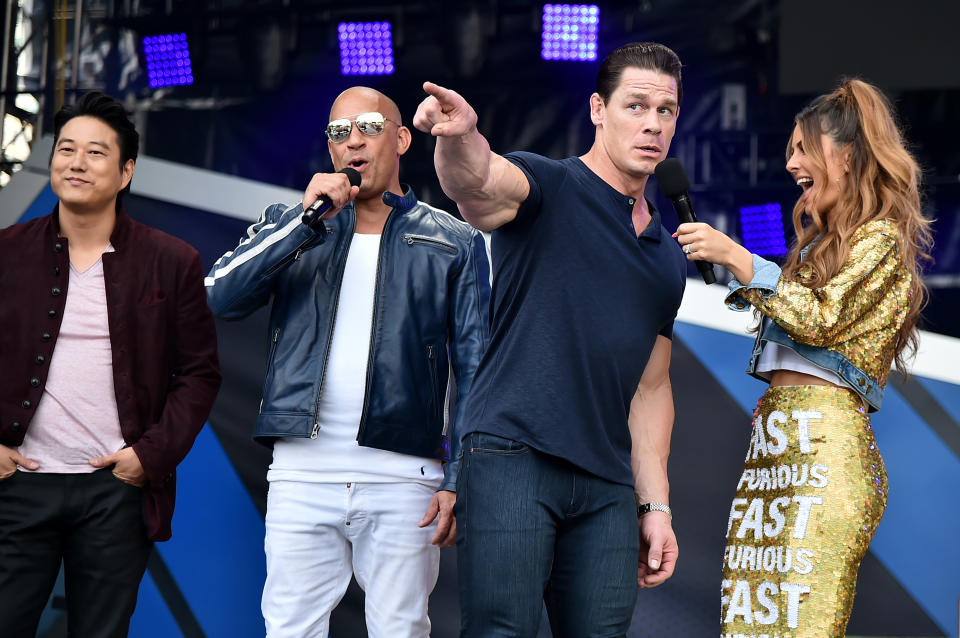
805, 183
358, 164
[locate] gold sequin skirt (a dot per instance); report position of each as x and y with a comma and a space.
812, 492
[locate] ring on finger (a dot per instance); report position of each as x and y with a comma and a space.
687, 250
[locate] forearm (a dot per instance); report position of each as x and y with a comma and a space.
650, 452
242, 279
739, 261
463, 165
807, 318
487, 188
464, 170
835, 311
651, 426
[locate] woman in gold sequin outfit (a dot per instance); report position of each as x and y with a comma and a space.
836, 316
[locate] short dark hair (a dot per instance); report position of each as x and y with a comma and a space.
110, 112
641, 55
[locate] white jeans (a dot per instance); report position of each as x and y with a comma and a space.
318, 534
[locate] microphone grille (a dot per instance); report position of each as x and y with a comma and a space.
354, 176
671, 177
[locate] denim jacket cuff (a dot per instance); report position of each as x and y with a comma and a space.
450, 471
766, 277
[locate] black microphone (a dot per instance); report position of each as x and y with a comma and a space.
316, 210
675, 184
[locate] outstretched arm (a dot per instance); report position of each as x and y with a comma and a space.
488, 189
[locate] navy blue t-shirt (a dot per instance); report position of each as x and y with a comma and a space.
577, 303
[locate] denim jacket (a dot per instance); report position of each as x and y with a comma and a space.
849, 325
431, 298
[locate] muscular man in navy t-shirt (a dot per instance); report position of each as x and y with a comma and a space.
567, 431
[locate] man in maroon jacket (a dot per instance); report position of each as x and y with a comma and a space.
108, 370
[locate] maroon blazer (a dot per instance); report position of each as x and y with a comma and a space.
165, 368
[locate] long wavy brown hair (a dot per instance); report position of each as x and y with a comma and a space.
883, 183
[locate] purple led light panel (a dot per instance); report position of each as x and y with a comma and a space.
762, 228
570, 32
168, 60
366, 48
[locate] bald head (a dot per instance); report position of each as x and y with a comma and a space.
369, 99
375, 155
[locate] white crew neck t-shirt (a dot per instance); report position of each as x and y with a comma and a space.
334, 456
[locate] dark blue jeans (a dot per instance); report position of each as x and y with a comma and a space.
532, 528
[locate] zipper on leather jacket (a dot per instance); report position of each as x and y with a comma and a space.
273, 353
294, 256
333, 324
414, 239
434, 390
373, 332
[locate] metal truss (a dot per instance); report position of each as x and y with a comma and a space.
43, 49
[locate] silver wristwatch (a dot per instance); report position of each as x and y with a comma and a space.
654, 507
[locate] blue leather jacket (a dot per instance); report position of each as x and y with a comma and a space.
431, 300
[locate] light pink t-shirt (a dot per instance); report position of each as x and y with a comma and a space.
76, 419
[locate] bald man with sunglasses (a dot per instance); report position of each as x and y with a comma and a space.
373, 304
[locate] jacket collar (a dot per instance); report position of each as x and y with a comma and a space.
401, 203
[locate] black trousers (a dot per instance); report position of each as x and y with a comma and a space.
93, 523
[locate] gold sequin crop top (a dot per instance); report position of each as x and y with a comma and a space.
850, 324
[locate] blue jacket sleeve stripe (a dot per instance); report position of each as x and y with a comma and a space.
220, 271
